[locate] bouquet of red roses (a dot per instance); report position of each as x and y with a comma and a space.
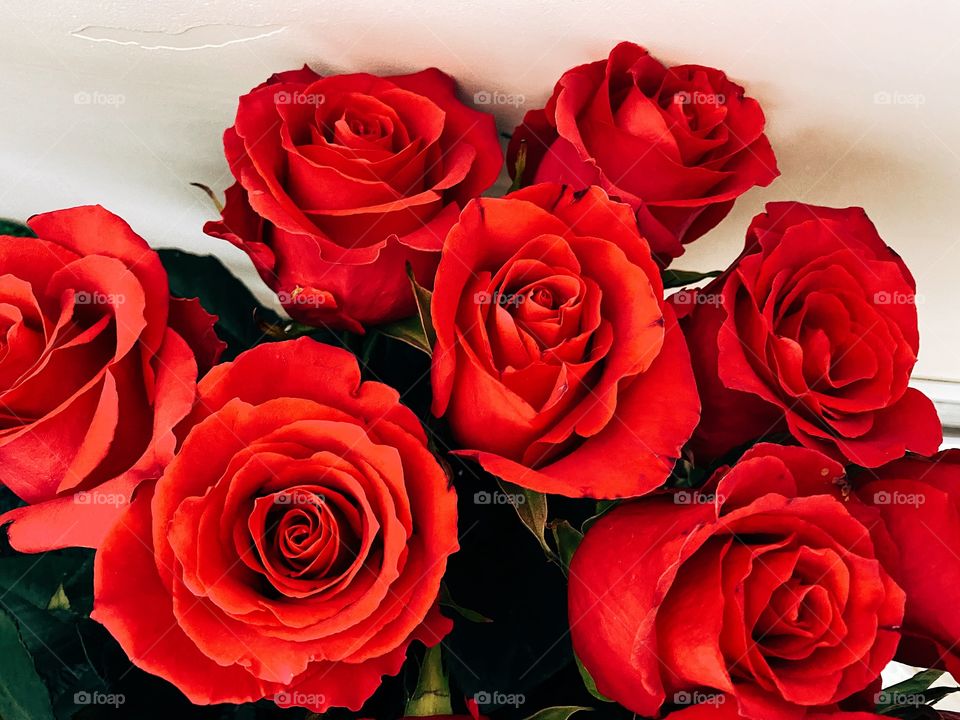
499, 458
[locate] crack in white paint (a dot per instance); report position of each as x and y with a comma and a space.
197, 37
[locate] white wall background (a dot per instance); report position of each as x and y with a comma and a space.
124, 103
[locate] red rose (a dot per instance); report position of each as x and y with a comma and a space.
919, 500
813, 330
770, 587
557, 363
678, 144
92, 379
344, 179
293, 548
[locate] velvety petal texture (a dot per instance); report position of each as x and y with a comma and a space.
293, 549
555, 350
813, 332
679, 144
772, 586
341, 181
94, 373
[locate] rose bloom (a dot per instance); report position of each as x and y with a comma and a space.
293, 549
770, 586
812, 331
679, 144
557, 363
343, 180
95, 372
919, 500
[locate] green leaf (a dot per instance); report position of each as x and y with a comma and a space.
589, 683
446, 600
918, 683
15, 228
567, 539
34, 580
561, 712
905, 698
23, 695
936, 694
417, 330
410, 331
423, 297
241, 319
519, 167
602, 508
432, 696
531, 507
679, 278
59, 601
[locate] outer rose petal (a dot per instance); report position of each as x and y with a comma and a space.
745, 416
608, 610
919, 501
463, 123
350, 685
195, 325
137, 609
83, 519
93, 230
